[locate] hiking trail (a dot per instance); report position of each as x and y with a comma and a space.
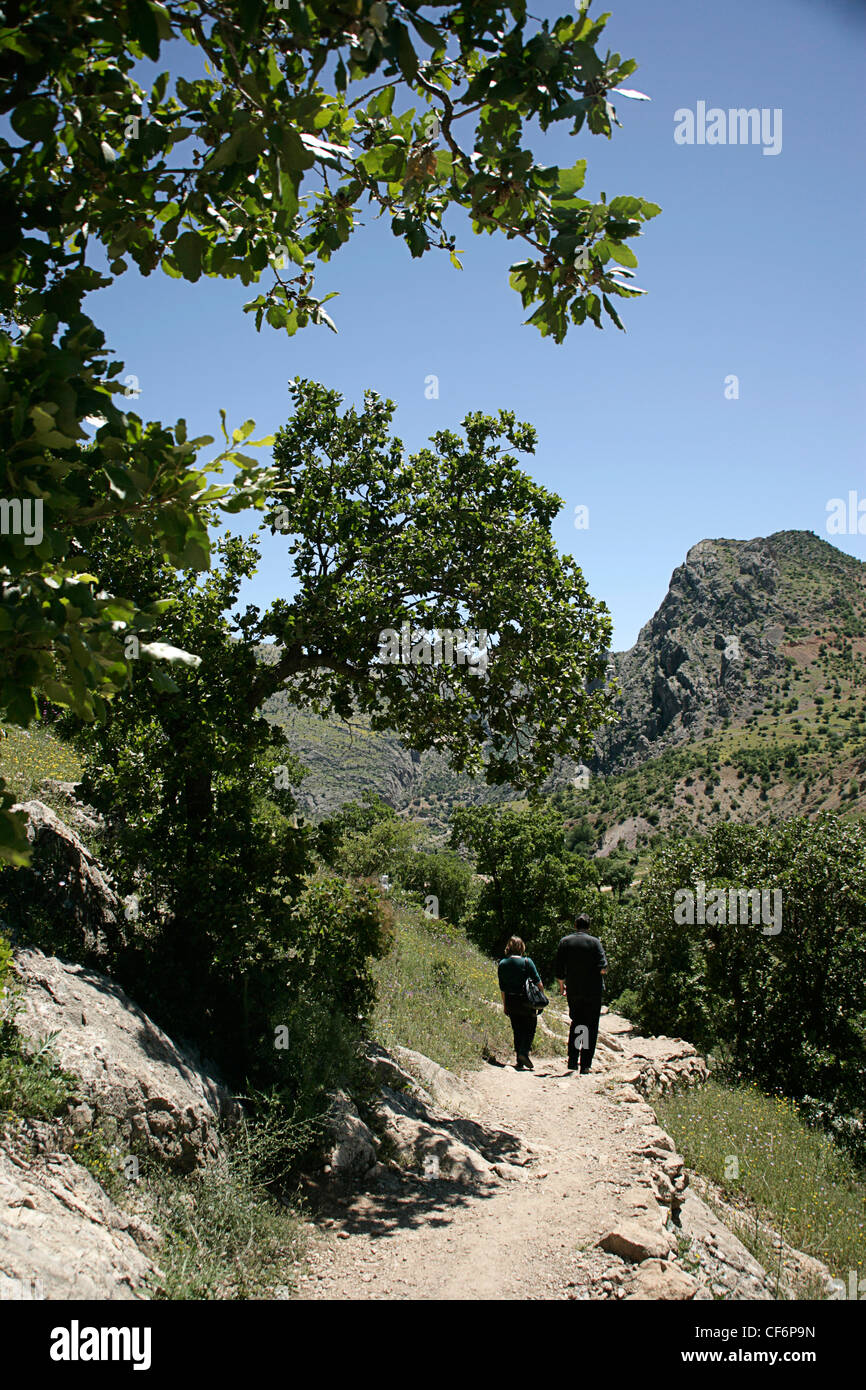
540, 1185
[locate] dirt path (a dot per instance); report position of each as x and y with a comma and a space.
582, 1169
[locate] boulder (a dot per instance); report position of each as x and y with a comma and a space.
138, 1085
449, 1090
431, 1148
660, 1279
61, 1237
723, 1262
65, 882
638, 1241
352, 1154
388, 1072
799, 1276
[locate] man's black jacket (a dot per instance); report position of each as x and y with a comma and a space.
580, 960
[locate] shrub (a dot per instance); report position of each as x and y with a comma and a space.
786, 1009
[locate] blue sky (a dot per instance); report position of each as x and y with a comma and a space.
754, 268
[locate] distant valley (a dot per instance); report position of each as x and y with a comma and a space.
744, 697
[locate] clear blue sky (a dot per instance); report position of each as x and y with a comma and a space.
754, 268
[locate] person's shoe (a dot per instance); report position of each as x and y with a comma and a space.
527, 1062
584, 1071
519, 1065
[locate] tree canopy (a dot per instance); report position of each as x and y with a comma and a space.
259, 167
455, 536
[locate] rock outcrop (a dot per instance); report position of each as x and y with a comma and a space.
419, 1127
66, 882
718, 637
352, 1149
61, 1237
141, 1088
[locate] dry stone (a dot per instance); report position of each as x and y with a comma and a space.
138, 1085
430, 1148
660, 1279
723, 1262
62, 1238
638, 1241
352, 1145
389, 1073
446, 1088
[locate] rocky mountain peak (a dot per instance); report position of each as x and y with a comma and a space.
722, 633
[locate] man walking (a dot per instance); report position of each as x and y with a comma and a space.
580, 969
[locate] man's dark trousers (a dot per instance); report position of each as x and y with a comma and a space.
584, 1011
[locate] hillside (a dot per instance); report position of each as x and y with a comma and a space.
147, 1181
741, 698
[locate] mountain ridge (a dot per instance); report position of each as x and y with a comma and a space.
749, 638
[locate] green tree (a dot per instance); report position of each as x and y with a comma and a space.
534, 888
617, 871
786, 1008
400, 848
452, 537
581, 837
254, 168
233, 933
385, 848
442, 874
354, 817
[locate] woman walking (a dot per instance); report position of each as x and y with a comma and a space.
514, 970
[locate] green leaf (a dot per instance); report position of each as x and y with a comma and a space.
34, 120
42, 419
227, 152
623, 255
429, 33
625, 208
58, 694
570, 180
187, 252
275, 77
384, 161
293, 153
143, 28
612, 312
163, 682
407, 58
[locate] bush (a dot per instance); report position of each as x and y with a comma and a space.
225, 1234
355, 817
786, 1009
534, 886
445, 876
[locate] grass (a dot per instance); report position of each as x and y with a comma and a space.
29, 755
791, 1176
32, 1085
224, 1234
438, 994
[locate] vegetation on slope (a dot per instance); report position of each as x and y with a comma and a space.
774, 1168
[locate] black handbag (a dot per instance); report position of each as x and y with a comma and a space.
535, 995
